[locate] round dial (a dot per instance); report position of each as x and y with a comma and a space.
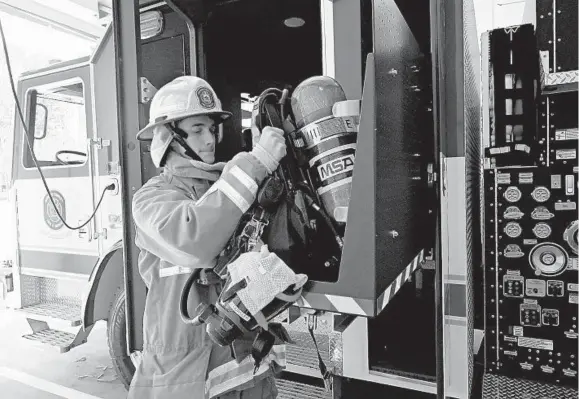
570, 236
548, 259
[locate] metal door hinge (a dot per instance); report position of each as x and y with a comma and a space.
99, 143
102, 233
113, 168
432, 175
147, 90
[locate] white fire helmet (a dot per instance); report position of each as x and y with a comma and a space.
181, 98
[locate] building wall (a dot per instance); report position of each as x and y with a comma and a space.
513, 12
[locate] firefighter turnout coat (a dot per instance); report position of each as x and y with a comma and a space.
184, 218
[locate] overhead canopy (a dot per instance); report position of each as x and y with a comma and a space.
83, 18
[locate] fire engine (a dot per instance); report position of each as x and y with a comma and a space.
403, 312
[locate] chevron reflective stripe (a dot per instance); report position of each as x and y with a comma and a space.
345, 304
303, 303
393, 288
235, 376
357, 306
334, 303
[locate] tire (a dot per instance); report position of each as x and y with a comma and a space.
117, 340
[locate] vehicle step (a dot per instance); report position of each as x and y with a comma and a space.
59, 340
288, 389
49, 311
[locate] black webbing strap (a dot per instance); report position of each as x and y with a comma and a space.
326, 375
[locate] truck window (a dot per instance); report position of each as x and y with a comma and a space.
57, 125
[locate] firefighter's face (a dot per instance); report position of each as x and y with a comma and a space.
201, 136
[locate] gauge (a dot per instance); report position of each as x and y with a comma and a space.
570, 236
512, 194
541, 194
542, 230
513, 229
548, 259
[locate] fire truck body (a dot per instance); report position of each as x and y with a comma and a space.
398, 313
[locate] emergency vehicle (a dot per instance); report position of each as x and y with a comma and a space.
398, 315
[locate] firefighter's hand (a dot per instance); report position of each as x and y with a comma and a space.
271, 148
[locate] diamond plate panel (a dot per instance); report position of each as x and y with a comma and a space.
337, 353
473, 144
499, 387
555, 78
65, 292
36, 290
296, 390
30, 290
304, 354
324, 324
560, 78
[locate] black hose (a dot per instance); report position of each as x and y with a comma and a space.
310, 202
34, 159
185, 297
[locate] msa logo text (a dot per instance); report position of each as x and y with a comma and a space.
336, 166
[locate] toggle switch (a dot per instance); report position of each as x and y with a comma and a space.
569, 185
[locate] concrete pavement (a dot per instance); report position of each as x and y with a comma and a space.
27, 371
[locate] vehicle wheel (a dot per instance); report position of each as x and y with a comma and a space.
117, 338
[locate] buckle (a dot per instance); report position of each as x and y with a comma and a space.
208, 277
328, 380
255, 226
312, 320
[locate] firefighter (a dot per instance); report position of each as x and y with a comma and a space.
183, 219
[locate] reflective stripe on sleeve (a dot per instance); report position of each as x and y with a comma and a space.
244, 179
237, 185
233, 375
241, 183
233, 195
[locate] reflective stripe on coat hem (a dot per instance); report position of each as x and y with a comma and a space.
232, 375
164, 349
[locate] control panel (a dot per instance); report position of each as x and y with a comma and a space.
557, 123
532, 272
529, 205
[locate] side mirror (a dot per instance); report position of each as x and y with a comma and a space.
40, 121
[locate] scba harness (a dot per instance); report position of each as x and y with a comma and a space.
291, 215
232, 317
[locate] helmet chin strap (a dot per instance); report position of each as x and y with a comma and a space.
179, 136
